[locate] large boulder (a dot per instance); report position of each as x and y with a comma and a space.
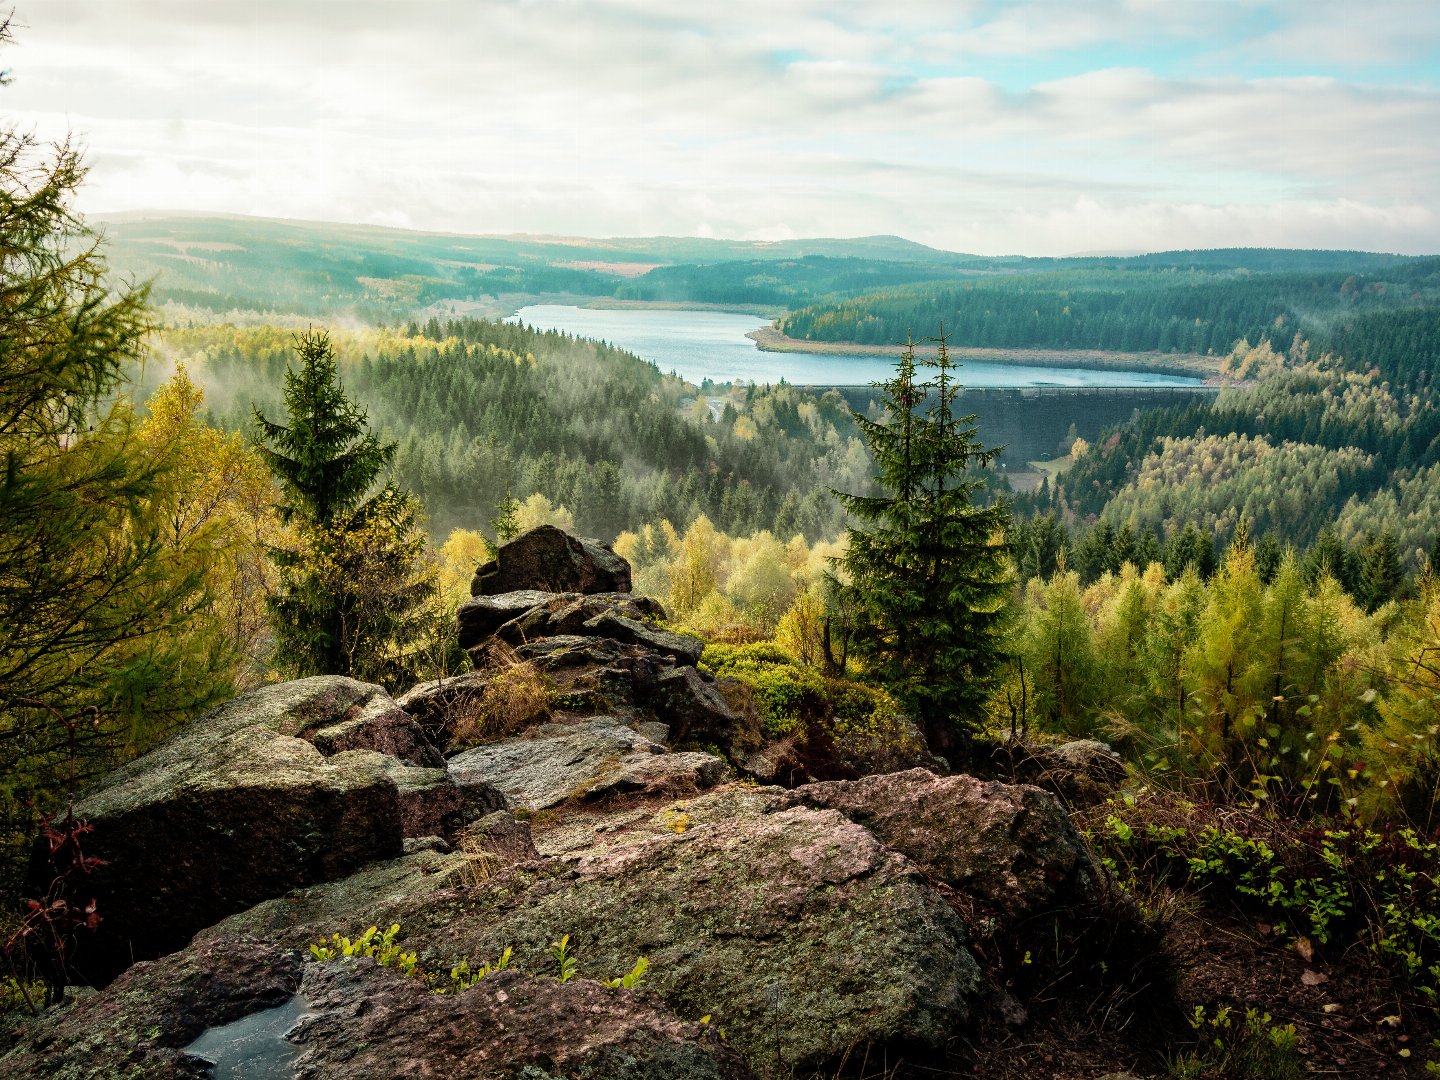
683, 648
599, 756
552, 560
1009, 845
334, 714
241, 806
140, 1025
800, 933
368, 1023
596, 674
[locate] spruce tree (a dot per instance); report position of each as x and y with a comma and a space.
352, 587
926, 565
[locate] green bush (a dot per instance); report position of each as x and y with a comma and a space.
862, 725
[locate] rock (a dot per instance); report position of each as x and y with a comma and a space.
798, 931
1010, 845
479, 617
697, 713
431, 804
140, 1024
595, 675
556, 762
343, 714
348, 906
239, 807
683, 647
568, 613
436, 705
659, 774
551, 559
372, 1024
501, 836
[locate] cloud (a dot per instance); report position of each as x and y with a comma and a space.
1137, 123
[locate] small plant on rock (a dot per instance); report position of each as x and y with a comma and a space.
630, 981
564, 959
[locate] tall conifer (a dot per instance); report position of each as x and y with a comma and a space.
926, 565
351, 585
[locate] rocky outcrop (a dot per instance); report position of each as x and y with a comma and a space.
810, 924
367, 1023
573, 613
241, 806
437, 704
596, 757
1009, 845
552, 560
697, 713
770, 919
333, 714
139, 1026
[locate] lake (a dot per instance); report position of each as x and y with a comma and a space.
700, 345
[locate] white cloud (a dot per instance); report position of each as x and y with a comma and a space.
750, 118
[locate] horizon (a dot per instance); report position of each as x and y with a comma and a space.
121, 217
1032, 128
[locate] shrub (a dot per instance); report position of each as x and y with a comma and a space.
1337, 885
837, 719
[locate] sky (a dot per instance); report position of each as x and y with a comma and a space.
1038, 127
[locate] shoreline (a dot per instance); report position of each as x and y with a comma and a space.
768, 339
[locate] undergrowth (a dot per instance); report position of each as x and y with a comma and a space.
847, 722
1327, 887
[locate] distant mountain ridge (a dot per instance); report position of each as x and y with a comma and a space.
223, 262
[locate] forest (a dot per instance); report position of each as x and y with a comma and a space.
1237, 594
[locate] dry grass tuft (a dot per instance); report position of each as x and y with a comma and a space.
516, 697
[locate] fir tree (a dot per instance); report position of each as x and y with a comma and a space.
927, 568
352, 587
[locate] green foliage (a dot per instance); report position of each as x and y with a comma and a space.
17, 996
103, 611
478, 408
859, 724
925, 566
381, 947
462, 976
1248, 1048
1339, 887
632, 979
1195, 304
353, 591
564, 959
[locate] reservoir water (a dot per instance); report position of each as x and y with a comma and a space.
700, 345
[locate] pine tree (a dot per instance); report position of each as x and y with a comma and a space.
352, 585
926, 567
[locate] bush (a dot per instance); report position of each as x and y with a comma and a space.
838, 721
516, 697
